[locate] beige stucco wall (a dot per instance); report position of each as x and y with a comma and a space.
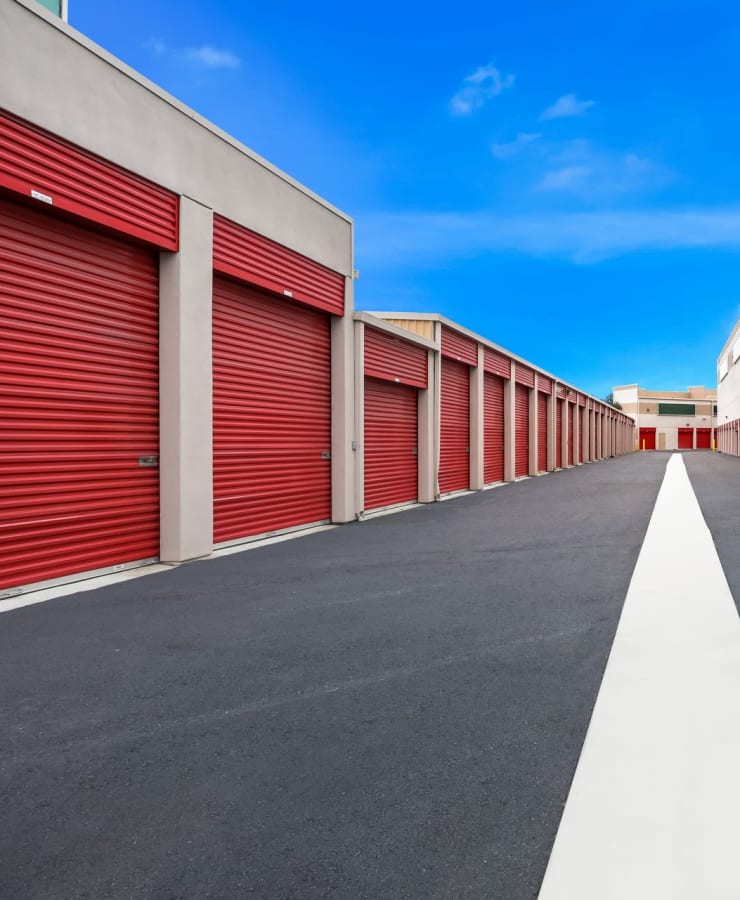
56, 78
728, 388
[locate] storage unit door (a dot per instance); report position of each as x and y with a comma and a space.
703, 438
79, 399
493, 438
571, 433
685, 438
271, 413
391, 472
647, 439
559, 435
542, 404
521, 453
581, 416
454, 457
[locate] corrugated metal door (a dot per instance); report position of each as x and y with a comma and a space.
571, 433
493, 430
454, 457
647, 439
79, 399
583, 412
703, 438
521, 431
559, 434
542, 404
391, 470
685, 438
271, 413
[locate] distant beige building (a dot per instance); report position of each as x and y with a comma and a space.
671, 420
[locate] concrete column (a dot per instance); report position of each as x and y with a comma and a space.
509, 424
359, 424
476, 423
533, 428
437, 404
427, 430
564, 434
552, 411
342, 411
186, 389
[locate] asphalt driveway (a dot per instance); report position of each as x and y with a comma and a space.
391, 709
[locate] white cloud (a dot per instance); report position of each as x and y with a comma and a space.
566, 107
205, 56
212, 57
594, 173
432, 239
477, 88
512, 148
565, 179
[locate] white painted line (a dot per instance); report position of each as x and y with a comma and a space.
654, 807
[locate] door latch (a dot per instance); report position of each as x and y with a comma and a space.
148, 462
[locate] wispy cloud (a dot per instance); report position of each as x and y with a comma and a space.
206, 56
478, 88
566, 107
594, 173
389, 239
513, 148
212, 57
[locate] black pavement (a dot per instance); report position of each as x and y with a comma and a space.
715, 478
391, 709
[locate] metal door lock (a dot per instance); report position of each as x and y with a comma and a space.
148, 461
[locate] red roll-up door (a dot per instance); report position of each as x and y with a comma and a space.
685, 438
271, 413
454, 461
647, 439
79, 399
391, 472
521, 431
703, 438
582, 413
493, 436
542, 404
571, 433
559, 434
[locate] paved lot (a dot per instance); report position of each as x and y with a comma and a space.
715, 478
392, 709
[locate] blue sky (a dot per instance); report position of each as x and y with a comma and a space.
561, 178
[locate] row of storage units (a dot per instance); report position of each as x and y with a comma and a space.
440, 410
728, 438
122, 443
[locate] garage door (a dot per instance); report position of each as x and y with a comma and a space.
521, 453
454, 461
647, 439
703, 438
271, 413
542, 404
559, 435
583, 412
79, 399
685, 438
571, 433
391, 471
493, 428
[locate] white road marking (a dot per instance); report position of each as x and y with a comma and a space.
654, 808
